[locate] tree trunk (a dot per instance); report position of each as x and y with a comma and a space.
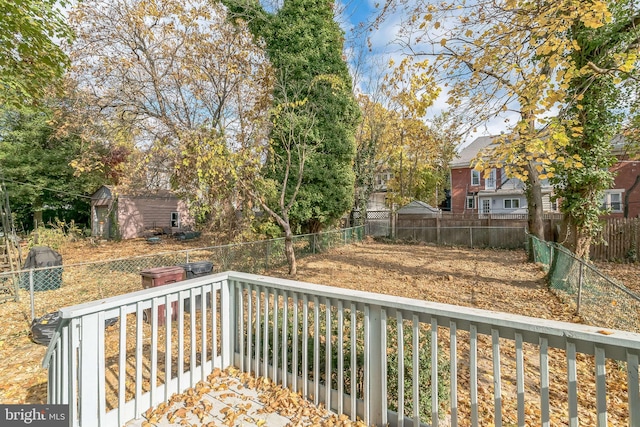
583, 245
574, 238
534, 202
289, 252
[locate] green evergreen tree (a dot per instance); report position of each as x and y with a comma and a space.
304, 45
35, 164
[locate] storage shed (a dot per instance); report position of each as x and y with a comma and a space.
115, 215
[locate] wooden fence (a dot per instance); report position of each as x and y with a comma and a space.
414, 221
618, 241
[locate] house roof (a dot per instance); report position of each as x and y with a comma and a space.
467, 154
471, 151
418, 207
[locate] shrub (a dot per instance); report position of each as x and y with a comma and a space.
54, 235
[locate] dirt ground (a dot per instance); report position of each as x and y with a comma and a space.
499, 280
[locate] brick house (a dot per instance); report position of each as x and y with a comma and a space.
624, 198
472, 193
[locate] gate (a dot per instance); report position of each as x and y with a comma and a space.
379, 223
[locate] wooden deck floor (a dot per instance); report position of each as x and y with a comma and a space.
231, 398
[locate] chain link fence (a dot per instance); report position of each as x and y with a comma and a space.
596, 298
50, 288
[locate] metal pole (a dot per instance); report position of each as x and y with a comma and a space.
31, 296
266, 256
580, 280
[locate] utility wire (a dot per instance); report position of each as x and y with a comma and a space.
46, 188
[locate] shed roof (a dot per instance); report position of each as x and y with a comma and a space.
418, 207
107, 191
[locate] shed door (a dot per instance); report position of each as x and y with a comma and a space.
102, 214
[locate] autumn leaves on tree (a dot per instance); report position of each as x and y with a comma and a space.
564, 67
243, 105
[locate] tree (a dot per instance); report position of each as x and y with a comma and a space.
413, 153
479, 53
30, 54
293, 124
374, 133
605, 56
303, 43
188, 88
521, 55
35, 162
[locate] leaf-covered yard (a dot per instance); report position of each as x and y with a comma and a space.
489, 279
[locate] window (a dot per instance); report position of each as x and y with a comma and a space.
175, 219
512, 203
475, 177
471, 202
503, 176
612, 201
486, 206
490, 181
383, 178
615, 201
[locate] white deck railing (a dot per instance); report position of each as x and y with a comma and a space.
472, 365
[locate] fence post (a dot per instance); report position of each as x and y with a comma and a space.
315, 243
471, 237
187, 257
31, 296
392, 226
266, 251
580, 280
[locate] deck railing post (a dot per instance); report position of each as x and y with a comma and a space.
89, 369
374, 382
227, 318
